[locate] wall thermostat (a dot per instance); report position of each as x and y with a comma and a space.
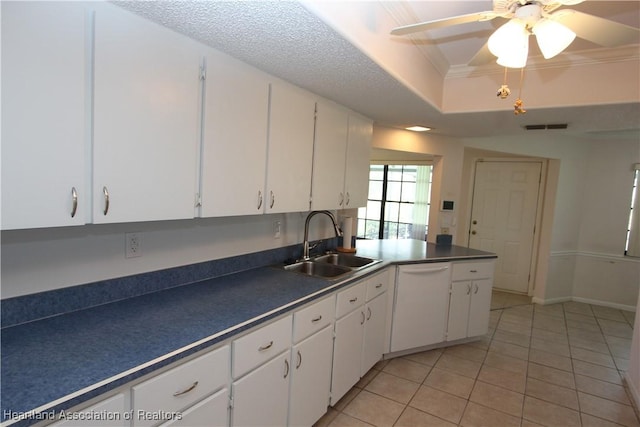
447, 205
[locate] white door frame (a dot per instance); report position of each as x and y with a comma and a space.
538, 219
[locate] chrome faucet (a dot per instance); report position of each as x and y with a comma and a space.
305, 245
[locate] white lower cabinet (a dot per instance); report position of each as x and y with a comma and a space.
211, 412
261, 398
179, 391
359, 334
470, 302
112, 407
421, 306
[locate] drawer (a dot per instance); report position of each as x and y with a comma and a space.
377, 285
259, 346
350, 299
473, 270
313, 318
182, 386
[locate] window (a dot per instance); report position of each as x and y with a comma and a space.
398, 203
632, 246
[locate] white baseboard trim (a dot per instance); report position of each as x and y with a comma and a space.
635, 393
605, 303
543, 301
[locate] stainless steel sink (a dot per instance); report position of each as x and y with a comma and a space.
346, 260
331, 266
317, 269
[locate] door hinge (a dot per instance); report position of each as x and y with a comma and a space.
230, 402
198, 200
203, 72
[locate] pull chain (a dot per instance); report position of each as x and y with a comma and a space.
518, 108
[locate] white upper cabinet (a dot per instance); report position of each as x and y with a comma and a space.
43, 114
356, 184
146, 119
290, 149
329, 151
234, 150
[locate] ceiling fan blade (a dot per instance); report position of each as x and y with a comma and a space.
446, 22
484, 56
597, 30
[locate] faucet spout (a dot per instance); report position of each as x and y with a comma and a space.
305, 245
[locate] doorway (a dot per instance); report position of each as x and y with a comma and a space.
504, 214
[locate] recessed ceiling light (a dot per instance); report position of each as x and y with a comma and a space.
418, 128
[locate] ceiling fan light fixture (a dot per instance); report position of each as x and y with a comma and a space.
552, 37
510, 43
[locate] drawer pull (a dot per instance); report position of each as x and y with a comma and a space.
352, 300
180, 393
317, 319
379, 285
265, 347
473, 271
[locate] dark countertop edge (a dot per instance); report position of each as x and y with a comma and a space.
109, 384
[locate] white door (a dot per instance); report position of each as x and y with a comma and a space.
347, 353
480, 307
356, 175
503, 215
374, 332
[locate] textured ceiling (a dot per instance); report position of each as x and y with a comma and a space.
284, 39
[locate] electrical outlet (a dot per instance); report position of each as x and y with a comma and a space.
277, 229
133, 245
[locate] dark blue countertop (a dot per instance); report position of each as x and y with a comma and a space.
73, 357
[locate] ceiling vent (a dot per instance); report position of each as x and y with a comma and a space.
542, 127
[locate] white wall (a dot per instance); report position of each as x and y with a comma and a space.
45, 259
632, 376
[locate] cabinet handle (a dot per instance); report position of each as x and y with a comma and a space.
468, 289
273, 199
473, 271
299, 360
348, 199
426, 270
259, 199
317, 319
265, 347
368, 313
363, 318
74, 201
341, 198
286, 368
105, 191
379, 285
187, 390
352, 300
475, 291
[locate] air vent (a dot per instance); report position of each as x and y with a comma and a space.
542, 127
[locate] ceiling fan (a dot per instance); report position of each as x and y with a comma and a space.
554, 30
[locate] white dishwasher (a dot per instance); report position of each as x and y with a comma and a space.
421, 305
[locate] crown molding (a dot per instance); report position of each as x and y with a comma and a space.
598, 56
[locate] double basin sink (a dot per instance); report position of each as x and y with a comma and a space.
332, 265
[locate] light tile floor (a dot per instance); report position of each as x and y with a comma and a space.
552, 365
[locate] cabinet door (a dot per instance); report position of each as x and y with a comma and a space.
347, 353
311, 378
113, 406
356, 187
261, 397
234, 150
146, 107
459, 310
480, 307
43, 114
290, 152
211, 412
420, 313
374, 332
329, 151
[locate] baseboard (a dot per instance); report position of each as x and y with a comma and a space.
605, 303
633, 389
543, 301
